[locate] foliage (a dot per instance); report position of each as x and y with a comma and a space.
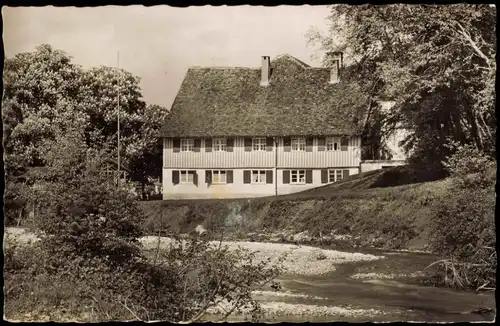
464, 224
399, 215
436, 62
38, 101
46, 96
210, 276
89, 260
180, 283
146, 163
372, 139
470, 168
82, 211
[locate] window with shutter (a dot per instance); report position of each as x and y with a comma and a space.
175, 177
248, 144
187, 145
229, 176
333, 144
321, 144
187, 176
286, 176
309, 144
176, 145
335, 175
246, 176
298, 176
195, 178
220, 144
287, 144
324, 176
269, 176
230, 144
208, 145
219, 176
208, 176
197, 145
298, 144
258, 144
309, 176
269, 144
344, 143
258, 176
346, 174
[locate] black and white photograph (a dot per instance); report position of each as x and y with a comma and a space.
287, 163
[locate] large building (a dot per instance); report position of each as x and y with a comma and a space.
246, 132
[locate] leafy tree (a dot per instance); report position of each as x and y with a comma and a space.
89, 239
146, 163
436, 62
39, 98
463, 228
46, 95
81, 207
372, 139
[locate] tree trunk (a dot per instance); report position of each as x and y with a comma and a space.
143, 187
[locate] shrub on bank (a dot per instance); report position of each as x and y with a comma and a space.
90, 264
181, 283
464, 224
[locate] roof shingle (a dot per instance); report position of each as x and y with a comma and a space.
299, 100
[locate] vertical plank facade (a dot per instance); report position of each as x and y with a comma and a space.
239, 158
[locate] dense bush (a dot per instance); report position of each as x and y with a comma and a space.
464, 224
89, 261
180, 283
81, 211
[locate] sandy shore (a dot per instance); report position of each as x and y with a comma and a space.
277, 308
381, 276
299, 260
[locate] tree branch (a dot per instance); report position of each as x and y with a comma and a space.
473, 44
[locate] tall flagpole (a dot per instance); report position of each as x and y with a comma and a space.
118, 120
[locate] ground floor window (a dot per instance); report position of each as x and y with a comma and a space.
335, 175
219, 177
298, 176
184, 176
258, 176
187, 176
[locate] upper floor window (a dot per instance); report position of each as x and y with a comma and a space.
187, 145
259, 144
220, 144
333, 144
298, 144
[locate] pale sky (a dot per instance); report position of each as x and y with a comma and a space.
159, 43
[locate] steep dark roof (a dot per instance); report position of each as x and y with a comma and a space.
298, 101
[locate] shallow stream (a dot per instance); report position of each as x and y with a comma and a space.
387, 285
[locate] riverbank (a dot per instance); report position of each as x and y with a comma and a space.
362, 211
321, 284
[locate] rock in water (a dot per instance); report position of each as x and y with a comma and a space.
200, 229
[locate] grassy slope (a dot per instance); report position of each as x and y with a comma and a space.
365, 206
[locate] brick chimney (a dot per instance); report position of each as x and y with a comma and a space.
264, 71
337, 61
